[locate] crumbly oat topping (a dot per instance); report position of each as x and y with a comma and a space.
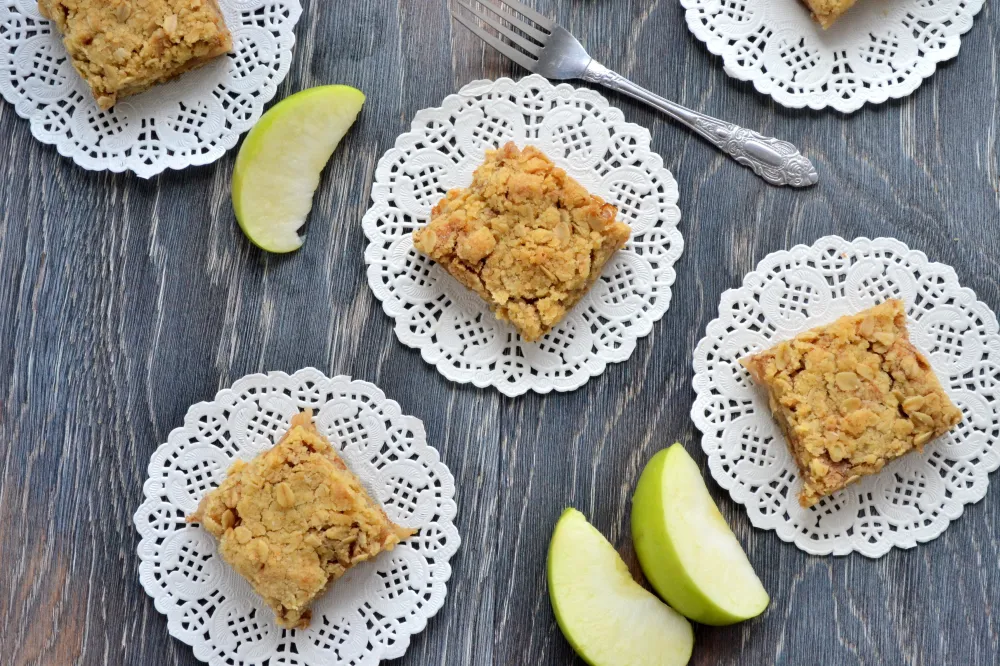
122, 47
852, 396
295, 519
826, 12
526, 237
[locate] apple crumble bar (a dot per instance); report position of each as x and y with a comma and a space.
826, 12
122, 47
526, 237
851, 396
295, 519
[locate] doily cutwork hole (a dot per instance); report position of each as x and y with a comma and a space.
916, 496
194, 119
376, 606
452, 327
874, 53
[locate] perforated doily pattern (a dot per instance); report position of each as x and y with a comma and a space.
367, 615
451, 326
915, 497
194, 119
876, 51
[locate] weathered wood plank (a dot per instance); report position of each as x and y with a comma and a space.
124, 301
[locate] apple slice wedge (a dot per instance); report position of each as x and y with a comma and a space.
279, 164
686, 549
608, 618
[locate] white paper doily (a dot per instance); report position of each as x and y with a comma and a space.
450, 325
915, 497
367, 615
194, 119
876, 51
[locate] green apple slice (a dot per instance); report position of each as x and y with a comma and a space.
686, 549
608, 618
278, 167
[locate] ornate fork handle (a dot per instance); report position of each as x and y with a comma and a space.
776, 161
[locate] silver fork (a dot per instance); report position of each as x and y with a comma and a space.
544, 47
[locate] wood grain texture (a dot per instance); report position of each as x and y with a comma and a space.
124, 301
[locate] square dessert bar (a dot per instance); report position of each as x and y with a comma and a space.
526, 237
294, 519
826, 12
122, 47
851, 396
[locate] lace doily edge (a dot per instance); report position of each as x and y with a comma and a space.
477, 87
225, 393
762, 84
206, 655
484, 380
145, 565
727, 483
482, 86
473, 88
800, 248
164, 605
65, 147
800, 541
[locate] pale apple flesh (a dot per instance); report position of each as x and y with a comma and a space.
279, 164
608, 618
686, 549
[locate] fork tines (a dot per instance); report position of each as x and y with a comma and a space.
519, 37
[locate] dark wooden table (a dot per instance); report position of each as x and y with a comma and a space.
123, 301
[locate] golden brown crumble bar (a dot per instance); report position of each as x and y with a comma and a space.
122, 47
826, 12
294, 519
526, 237
851, 396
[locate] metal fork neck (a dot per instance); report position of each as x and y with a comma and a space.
776, 161
601, 75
